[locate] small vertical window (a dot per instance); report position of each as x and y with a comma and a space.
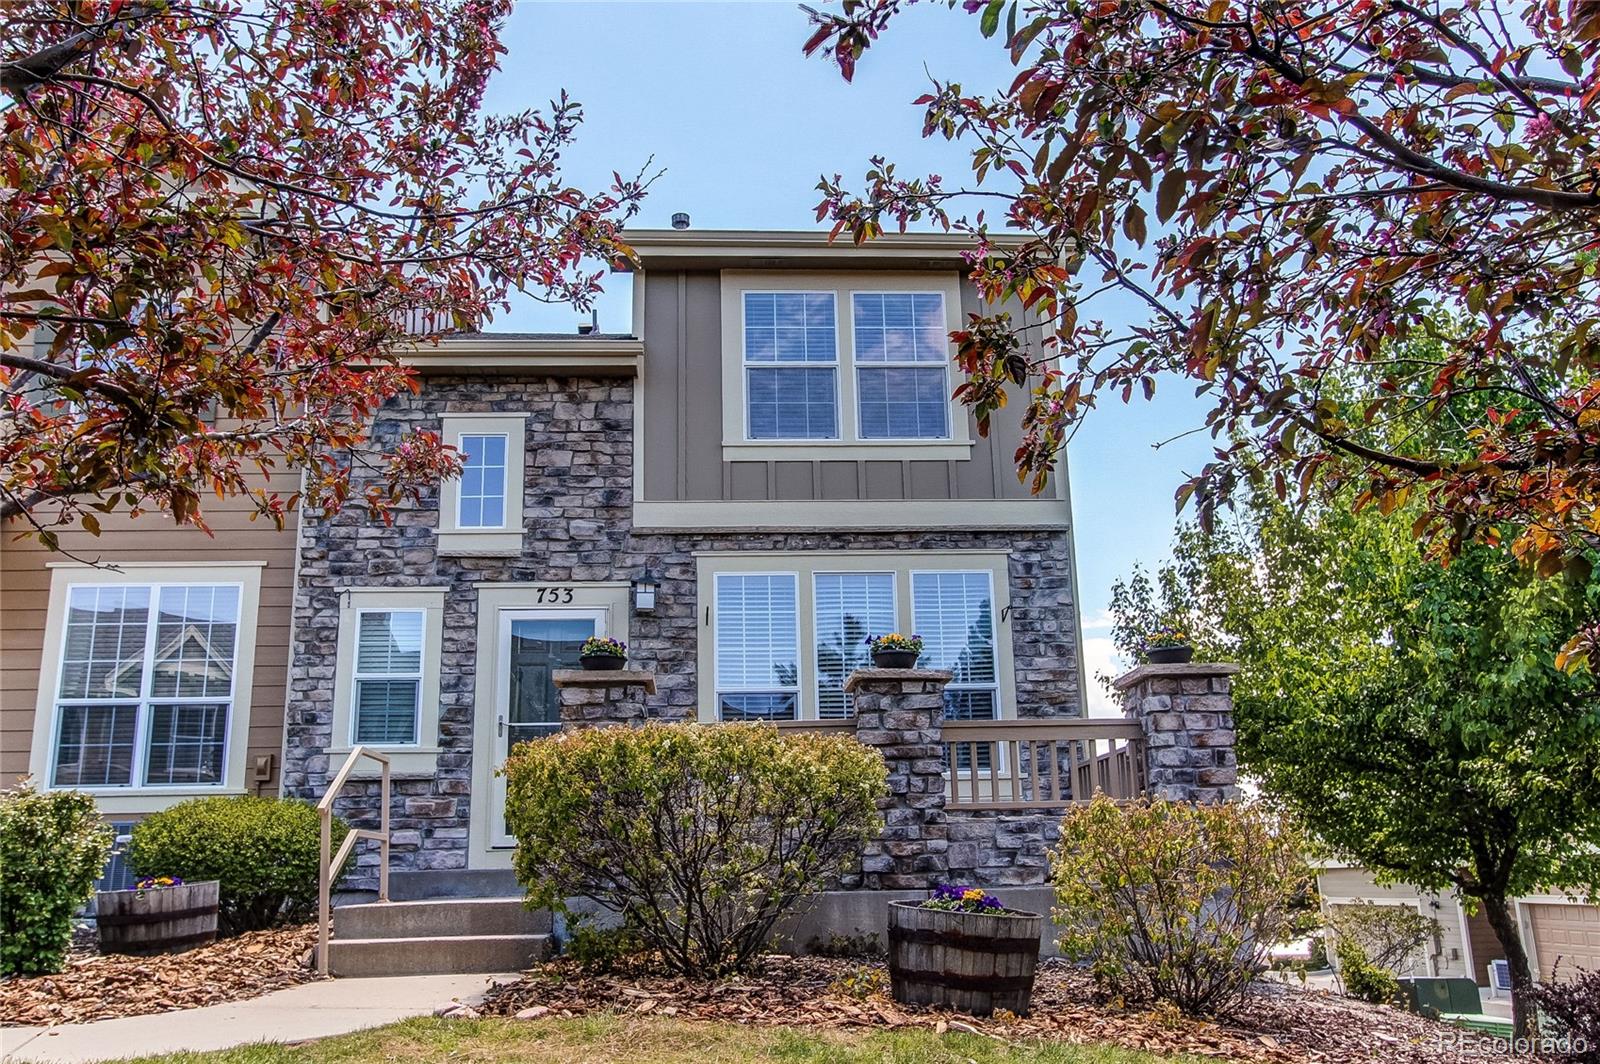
791, 362
757, 646
901, 351
481, 502
388, 676
849, 608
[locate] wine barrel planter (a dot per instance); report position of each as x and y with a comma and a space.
156, 920
971, 962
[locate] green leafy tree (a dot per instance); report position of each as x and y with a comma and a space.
1413, 715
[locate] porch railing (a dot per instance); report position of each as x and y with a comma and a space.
1040, 764
329, 865
1018, 765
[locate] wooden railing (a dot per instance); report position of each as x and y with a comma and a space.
329, 865
1040, 764
1029, 764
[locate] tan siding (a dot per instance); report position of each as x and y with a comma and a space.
683, 416
1448, 950
24, 603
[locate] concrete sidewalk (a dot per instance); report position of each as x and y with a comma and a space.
312, 1010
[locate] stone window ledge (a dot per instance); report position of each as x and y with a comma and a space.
479, 544
410, 761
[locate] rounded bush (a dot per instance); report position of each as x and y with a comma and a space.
52, 849
262, 851
1177, 902
700, 836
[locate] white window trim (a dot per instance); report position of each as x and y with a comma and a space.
837, 365
357, 675
456, 541
736, 446
807, 563
505, 484
145, 799
420, 758
856, 366
717, 690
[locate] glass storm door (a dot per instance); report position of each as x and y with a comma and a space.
533, 645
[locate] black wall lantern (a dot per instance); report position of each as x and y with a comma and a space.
644, 592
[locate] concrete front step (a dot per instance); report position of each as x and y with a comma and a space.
439, 955
439, 918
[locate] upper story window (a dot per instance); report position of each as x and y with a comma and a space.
482, 499
481, 511
791, 360
146, 685
901, 350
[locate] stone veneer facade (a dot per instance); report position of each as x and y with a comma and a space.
577, 508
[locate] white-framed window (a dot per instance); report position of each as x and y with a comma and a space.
954, 612
145, 685
901, 350
386, 676
481, 511
782, 630
848, 608
757, 646
481, 501
386, 694
791, 365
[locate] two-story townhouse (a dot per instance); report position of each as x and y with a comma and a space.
147, 664
767, 469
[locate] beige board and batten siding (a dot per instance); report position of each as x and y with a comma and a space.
1447, 955
26, 573
682, 417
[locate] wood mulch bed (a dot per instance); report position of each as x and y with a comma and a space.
1281, 1025
95, 986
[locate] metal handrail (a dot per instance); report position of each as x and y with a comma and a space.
327, 866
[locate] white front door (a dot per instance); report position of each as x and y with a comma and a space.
533, 644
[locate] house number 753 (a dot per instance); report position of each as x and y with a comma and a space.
553, 596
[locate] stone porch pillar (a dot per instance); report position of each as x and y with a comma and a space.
900, 713
602, 698
1187, 715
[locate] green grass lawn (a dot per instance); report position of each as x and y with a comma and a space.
638, 1040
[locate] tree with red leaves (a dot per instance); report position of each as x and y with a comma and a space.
222, 223
1287, 192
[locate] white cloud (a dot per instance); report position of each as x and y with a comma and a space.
1100, 622
1100, 656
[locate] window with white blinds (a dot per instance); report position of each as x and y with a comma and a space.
954, 614
757, 646
388, 676
146, 686
849, 608
902, 345
791, 357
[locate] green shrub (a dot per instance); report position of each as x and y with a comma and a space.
1176, 902
52, 849
263, 852
602, 950
1389, 935
1361, 977
701, 837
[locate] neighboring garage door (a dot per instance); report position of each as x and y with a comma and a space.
1570, 932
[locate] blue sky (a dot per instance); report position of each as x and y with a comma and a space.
744, 125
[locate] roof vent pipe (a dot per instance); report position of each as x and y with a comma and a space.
680, 220
592, 325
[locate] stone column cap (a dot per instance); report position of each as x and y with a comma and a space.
1188, 668
605, 678
861, 676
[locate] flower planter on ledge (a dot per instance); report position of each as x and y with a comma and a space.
157, 919
602, 662
971, 962
895, 659
1180, 655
